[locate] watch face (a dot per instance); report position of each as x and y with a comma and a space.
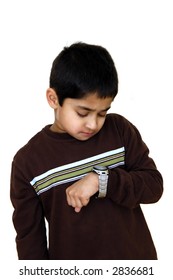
100, 167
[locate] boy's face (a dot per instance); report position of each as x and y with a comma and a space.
81, 118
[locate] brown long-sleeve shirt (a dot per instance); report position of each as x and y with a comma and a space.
110, 228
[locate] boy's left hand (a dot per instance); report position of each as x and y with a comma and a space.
78, 194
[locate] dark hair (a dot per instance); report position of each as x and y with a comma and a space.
82, 69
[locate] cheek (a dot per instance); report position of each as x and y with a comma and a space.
101, 122
72, 122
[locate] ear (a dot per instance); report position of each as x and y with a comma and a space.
52, 98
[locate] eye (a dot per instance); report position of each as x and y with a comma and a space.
102, 115
82, 115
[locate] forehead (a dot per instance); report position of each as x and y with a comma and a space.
91, 102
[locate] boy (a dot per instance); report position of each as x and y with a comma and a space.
87, 173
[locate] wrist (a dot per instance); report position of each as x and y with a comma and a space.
94, 180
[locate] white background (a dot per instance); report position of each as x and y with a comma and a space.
138, 35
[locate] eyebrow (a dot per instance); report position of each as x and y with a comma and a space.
92, 110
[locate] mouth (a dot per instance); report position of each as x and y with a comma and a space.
88, 134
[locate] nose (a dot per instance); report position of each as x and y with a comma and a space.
91, 123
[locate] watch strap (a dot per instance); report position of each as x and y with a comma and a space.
103, 181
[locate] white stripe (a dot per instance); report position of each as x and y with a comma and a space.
75, 164
73, 179
116, 164
60, 183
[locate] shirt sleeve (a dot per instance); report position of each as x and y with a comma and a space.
28, 218
139, 182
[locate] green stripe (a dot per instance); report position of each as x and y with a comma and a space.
87, 165
61, 176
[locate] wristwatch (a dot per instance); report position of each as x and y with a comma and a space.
103, 172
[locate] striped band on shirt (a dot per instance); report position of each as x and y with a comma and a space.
76, 170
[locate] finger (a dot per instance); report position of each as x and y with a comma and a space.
68, 199
77, 209
74, 202
85, 201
